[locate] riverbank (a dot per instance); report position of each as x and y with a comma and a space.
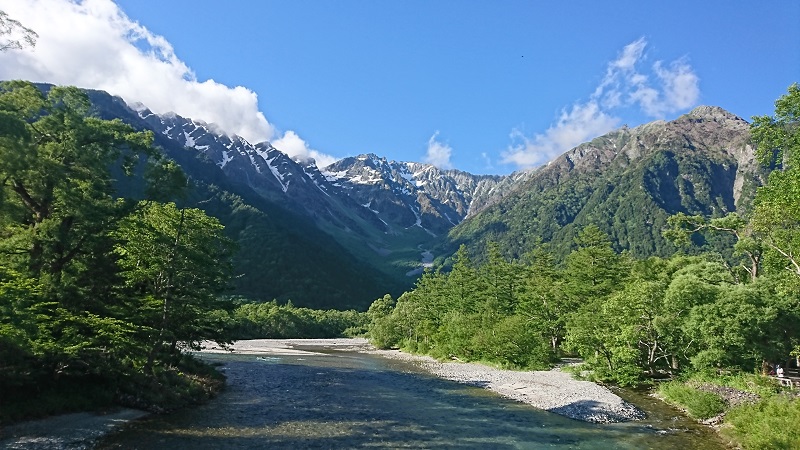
553, 390
74, 431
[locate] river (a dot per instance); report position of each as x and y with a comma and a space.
354, 400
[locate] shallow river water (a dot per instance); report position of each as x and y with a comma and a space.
355, 400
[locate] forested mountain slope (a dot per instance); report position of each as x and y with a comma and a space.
281, 253
378, 215
628, 182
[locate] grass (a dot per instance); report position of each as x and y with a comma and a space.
773, 423
698, 404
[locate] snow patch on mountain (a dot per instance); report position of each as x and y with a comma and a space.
226, 158
189, 141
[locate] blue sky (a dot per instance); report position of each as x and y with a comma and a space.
486, 87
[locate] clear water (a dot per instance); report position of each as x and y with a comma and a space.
352, 400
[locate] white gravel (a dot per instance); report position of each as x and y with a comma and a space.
553, 390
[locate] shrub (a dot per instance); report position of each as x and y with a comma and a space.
698, 404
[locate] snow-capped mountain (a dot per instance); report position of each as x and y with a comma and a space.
408, 194
298, 185
356, 194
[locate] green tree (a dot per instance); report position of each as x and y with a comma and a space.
738, 329
381, 308
776, 215
73, 312
543, 301
382, 330
57, 209
56, 194
177, 262
748, 243
461, 287
594, 269
502, 281
18, 327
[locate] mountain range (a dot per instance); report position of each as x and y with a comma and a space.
342, 235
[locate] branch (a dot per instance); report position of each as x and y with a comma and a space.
32, 204
788, 256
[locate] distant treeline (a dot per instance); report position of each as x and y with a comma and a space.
271, 320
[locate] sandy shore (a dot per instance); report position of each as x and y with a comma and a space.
553, 390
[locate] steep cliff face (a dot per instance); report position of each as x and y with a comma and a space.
627, 182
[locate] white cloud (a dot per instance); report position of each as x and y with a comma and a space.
681, 85
580, 124
438, 153
93, 44
294, 146
624, 85
487, 161
631, 54
676, 85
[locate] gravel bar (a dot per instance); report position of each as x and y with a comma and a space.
553, 390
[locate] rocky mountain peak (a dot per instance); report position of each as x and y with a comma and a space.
714, 113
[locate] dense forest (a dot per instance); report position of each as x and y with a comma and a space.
98, 294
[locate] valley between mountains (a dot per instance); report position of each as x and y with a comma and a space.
305, 232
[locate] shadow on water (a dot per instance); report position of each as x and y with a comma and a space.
355, 400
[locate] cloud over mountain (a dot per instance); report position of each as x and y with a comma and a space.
438, 153
93, 44
294, 146
665, 89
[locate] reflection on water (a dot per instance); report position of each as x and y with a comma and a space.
348, 400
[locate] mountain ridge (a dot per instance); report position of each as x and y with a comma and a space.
392, 215
700, 163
